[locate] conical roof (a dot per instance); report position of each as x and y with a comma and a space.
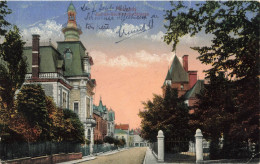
71, 7
176, 73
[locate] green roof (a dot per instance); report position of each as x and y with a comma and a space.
119, 131
50, 59
74, 51
194, 90
176, 73
71, 7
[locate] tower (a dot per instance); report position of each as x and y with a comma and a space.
71, 31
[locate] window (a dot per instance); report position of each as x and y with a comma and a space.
88, 107
64, 100
76, 107
89, 134
71, 17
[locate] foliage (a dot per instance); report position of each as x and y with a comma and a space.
32, 105
122, 142
98, 141
116, 142
168, 113
230, 102
74, 129
3, 12
109, 139
56, 117
13, 67
20, 125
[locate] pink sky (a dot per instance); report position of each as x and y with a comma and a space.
124, 88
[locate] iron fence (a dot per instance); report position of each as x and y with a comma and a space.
20, 150
154, 147
85, 150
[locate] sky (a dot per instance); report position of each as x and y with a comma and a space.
129, 66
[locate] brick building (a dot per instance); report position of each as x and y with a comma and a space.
104, 121
184, 80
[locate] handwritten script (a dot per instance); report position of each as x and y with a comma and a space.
112, 14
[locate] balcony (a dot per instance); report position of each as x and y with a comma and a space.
91, 121
48, 75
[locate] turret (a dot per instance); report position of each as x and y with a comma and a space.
71, 30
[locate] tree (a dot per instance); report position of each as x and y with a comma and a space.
74, 129
169, 114
3, 12
234, 50
55, 115
13, 68
32, 105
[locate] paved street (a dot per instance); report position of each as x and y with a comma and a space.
130, 156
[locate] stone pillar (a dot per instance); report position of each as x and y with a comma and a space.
91, 140
199, 148
160, 140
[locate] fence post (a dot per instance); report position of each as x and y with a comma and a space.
160, 139
199, 148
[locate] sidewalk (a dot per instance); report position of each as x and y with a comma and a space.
149, 157
92, 157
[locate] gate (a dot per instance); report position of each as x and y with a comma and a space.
180, 151
184, 151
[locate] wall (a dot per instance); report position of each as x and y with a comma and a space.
55, 158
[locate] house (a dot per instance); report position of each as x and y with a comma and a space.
65, 72
122, 130
105, 121
138, 141
184, 80
121, 134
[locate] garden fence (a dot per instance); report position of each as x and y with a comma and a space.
20, 150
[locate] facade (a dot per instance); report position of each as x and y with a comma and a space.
65, 72
136, 140
123, 129
121, 134
105, 121
184, 80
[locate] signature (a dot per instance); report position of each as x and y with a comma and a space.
128, 34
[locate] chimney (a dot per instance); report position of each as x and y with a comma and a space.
185, 62
192, 78
35, 56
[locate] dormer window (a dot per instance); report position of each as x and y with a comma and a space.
86, 65
67, 54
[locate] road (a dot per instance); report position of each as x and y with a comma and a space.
130, 156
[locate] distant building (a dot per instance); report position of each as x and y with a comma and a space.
122, 130
184, 80
104, 121
121, 134
65, 72
138, 141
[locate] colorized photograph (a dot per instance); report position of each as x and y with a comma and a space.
129, 82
